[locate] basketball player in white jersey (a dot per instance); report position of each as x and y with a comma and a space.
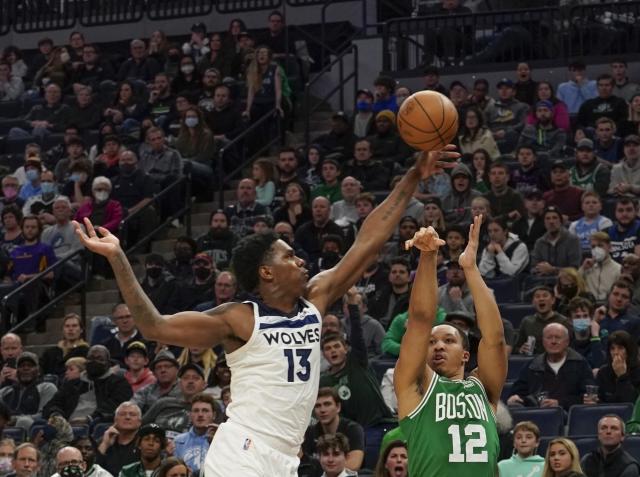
272, 344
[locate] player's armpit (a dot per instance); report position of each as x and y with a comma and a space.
205, 329
412, 375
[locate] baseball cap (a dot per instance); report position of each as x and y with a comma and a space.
387, 114
431, 70
136, 346
366, 92
505, 82
558, 164
152, 429
164, 355
341, 115
544, 103
28, 356
199, 27
202, 257
532, 194
464, 315
585, 143
191, 366
331, 160
632, 139
552, 208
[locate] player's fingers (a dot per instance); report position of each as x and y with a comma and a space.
408, 244
440, 242
104, 232
91, 232
450, 147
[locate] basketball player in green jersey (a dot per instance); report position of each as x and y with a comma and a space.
449, 421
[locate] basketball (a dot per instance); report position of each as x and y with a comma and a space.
427, 120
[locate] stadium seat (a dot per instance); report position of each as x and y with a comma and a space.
101, 329
506, 390
632, 445
380, 367
80, 431
516, 364
15, 433
35, 428
10, 109
16, 146
586, 444
515, 312
99, 430
50, 378
543, 445
372, 439
583, 418
506, 290
550, 420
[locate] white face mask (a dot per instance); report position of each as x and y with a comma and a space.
65, 57
5, 465
187, 69
598, 254
101, 195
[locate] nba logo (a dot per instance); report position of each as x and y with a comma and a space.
247, 444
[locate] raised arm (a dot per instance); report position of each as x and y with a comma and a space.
492, 355
189, 328
330, 285
412, 373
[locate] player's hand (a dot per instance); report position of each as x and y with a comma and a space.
432, 162
108, 245
426, 240
515, 399
467, 259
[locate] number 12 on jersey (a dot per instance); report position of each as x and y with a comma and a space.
476, 439
299, 360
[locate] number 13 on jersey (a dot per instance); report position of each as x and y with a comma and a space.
298, 364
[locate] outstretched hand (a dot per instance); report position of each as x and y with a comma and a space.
107, 245
467, 258
433, 162
425, 239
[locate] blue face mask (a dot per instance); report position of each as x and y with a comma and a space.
32, 175
363, 106
48, 187
191, 122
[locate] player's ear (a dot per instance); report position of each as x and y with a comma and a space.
265, 272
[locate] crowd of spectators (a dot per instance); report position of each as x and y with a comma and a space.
555, 172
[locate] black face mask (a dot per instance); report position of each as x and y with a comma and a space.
127, 169
154, 272
329, 260
568, 290
95, 369
183, 255
201, 273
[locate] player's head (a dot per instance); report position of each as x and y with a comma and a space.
328, 405
526, 437
264, 259
448, 350
334, 349
333, 449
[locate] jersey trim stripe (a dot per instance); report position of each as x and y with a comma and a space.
484, 392
307, 320
424, 400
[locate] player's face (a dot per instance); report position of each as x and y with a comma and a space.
326, 409
446, 355
335, 352
525, 442
396, 463
333, 461
285, 268
559, 458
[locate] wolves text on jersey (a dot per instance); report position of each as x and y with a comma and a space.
460, 406
283, 337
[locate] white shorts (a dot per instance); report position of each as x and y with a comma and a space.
235, 452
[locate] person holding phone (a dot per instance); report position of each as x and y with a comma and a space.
10, 349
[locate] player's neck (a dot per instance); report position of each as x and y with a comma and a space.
279, 299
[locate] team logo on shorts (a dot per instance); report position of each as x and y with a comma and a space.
247, 444
344, 392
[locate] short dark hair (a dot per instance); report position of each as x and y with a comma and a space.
188, 240
336, 441
626, 201
499, 165
248, 256
605, 76
335, 239
12, 209
580, 303
463, 336
624, 339
32, 217
526, 146
330, 337
328, 391
399, 260
207, 399
459, 229
502, 223
287, 149
623, 284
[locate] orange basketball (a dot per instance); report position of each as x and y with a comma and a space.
427, 120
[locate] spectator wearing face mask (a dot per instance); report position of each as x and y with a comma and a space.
363, 120
10, 187
157, 283
586, 332
41, 205
600, 271
33, 170
198, 290
101, 210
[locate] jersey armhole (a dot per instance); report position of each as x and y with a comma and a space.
425, 398
254, 333
484, 393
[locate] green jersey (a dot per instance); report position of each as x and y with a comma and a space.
453, 431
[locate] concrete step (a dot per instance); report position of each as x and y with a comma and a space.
109, 284
195, 231
163, 247
203, 207
201, 218
93, 309
103, 296
314, 125
38, 348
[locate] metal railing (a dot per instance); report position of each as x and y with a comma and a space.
238, 6
339, 88
42, 15
9, 319
110, 12
239, 145
168, 9
181, 184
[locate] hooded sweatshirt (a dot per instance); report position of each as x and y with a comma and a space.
516, 466
457, 205
623, 172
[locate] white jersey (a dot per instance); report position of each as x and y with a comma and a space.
275, 375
